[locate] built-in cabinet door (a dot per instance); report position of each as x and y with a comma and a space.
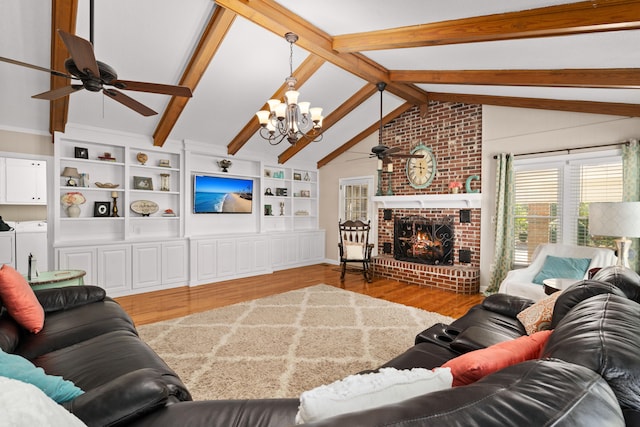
206, 251
226, 257
147, 259
284, 248
79, 259
174, 262
311, 246
261, 255
114, 268
251, 255
26, 181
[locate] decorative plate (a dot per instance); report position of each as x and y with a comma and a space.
144, 207
106, 185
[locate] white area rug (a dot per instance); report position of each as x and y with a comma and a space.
281, 345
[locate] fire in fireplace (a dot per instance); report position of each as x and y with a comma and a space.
425, 241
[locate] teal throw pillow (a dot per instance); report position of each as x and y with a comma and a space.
19, 368
562, 268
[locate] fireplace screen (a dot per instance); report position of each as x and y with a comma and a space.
425, 241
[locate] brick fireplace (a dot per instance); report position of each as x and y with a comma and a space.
453, 132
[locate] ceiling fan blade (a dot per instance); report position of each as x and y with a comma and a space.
153, 88
129, 102
391, 151
35, 67
52, 95
82, 53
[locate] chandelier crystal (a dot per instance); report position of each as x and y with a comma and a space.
289, 118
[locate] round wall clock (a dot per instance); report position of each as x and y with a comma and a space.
420, 171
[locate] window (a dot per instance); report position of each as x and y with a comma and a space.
355, 199
552, 197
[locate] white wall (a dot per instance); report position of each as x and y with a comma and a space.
353, 163
519, 130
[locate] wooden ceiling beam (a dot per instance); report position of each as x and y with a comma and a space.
616, 78
364, 134
208, 45
561, 20
279, 20
610, 108
338, 114
308, 67
63, 17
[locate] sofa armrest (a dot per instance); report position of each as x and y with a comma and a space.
57, 299
120, 400
509, 305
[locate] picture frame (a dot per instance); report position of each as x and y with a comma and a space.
297, 176
80, 153
101, 209
142, 183
305, 193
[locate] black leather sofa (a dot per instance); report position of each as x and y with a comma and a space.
589, 375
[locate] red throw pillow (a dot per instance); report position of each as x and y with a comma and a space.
20, 301
474, 365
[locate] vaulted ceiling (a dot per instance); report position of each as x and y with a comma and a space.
551, 54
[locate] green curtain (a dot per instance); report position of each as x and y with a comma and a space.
504, 224
631, 188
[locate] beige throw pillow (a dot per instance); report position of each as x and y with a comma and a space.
538, 316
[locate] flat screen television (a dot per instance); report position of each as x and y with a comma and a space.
221, 194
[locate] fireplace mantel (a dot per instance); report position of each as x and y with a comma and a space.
427, 201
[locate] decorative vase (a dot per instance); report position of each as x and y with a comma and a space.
454, 190
73, 211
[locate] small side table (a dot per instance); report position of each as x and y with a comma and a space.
555, 285
57, 279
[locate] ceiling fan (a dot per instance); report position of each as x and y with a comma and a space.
381, 151
95, 75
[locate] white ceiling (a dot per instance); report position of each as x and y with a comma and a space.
152, 40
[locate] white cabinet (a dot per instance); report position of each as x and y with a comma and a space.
124, 268
147, 259
8, 248
175, 262
114, 269
82, 258
294, 249
25, 181
222, 258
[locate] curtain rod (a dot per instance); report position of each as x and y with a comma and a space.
568, 150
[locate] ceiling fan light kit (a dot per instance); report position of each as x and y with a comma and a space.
290, 120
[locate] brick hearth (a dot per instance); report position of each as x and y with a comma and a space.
456, 278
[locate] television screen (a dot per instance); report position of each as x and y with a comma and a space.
218, 194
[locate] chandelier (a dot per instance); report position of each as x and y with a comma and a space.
290, 119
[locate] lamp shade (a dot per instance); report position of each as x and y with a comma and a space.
618, 219
70, 172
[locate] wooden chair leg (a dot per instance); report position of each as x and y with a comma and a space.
344, 270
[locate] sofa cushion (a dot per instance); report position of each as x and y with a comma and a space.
19, 368
532, 393
561, 267
65, 328
579, 292
19, 300
538, 316
625, 279
472, 366
22, 404
97, 361
603, 334
359, 392
9, 333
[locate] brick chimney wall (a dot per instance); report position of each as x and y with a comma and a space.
454, 132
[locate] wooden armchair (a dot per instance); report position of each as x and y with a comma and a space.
355, 247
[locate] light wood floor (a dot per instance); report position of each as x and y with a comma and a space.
167, 304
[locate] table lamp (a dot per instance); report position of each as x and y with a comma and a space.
616, 219
72, 174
